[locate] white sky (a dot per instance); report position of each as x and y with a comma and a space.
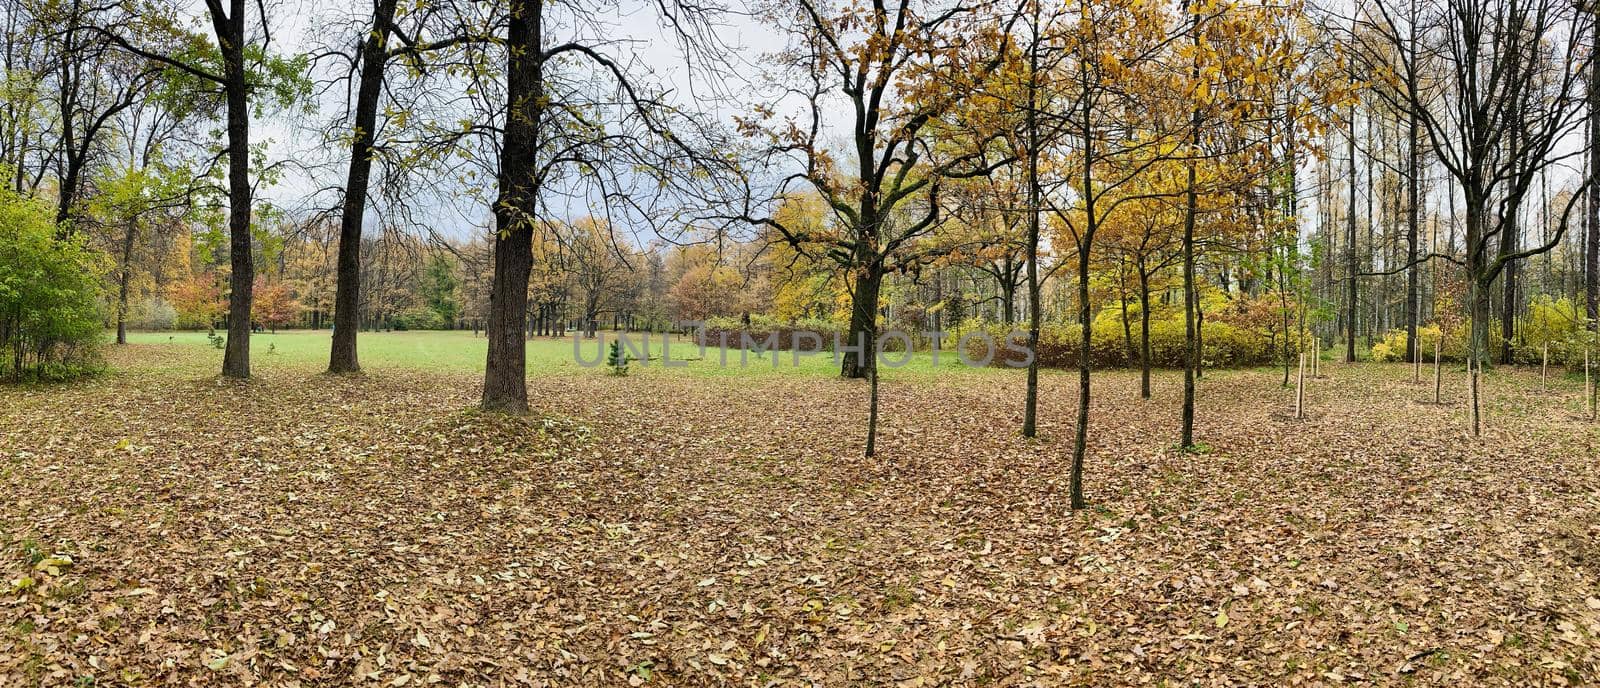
640, 42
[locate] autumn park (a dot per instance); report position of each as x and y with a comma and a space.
799, 343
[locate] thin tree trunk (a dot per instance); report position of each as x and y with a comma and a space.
1080, 443
1191, 355
1144, 331
1350, 251
1199, 338
1030, 410
128, 235
1472, 397
1591, 241
1300, 390
1413, 207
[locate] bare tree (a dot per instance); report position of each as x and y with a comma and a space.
1497, 87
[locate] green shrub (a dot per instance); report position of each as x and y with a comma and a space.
153, 313
50, 295
617, 359
418, 318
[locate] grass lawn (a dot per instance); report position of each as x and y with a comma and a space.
461, 351
712, 527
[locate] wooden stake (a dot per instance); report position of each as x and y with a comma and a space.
1544, 369
1300, 391
1416, 361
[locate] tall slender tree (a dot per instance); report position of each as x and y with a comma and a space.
236, 62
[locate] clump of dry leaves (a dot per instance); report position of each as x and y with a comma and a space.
163, 528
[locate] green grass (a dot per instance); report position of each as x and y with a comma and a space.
460, 351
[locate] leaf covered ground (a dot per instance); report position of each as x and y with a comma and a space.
162, 527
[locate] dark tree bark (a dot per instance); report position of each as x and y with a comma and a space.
230, 32
1085, 240
1413, 203
505, 385
342, 358
1144, 330
125, 268
1350, 251
1030, 405
1191, 354
1591, 238
864, 315
1508, 315
1413, 229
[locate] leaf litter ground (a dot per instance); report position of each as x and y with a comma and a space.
163, 528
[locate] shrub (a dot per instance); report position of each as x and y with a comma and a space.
1391, 348
154, 313
1224, 345
733, 330
50, 295
1557, 323
418, 318
617, 359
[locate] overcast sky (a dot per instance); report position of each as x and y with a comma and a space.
638, 41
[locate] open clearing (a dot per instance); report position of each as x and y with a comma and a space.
670, 528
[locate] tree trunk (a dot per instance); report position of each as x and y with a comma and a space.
1413, 213
1080, 442
230, 38
128, 235
872, 412
505, 384
1127, 323
863, 320
1144, 331
1350, 251
1030, 405
1479, 298
347, 297
1591, 239
1191, 356
1008, 300
1199, 338
1508, 316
